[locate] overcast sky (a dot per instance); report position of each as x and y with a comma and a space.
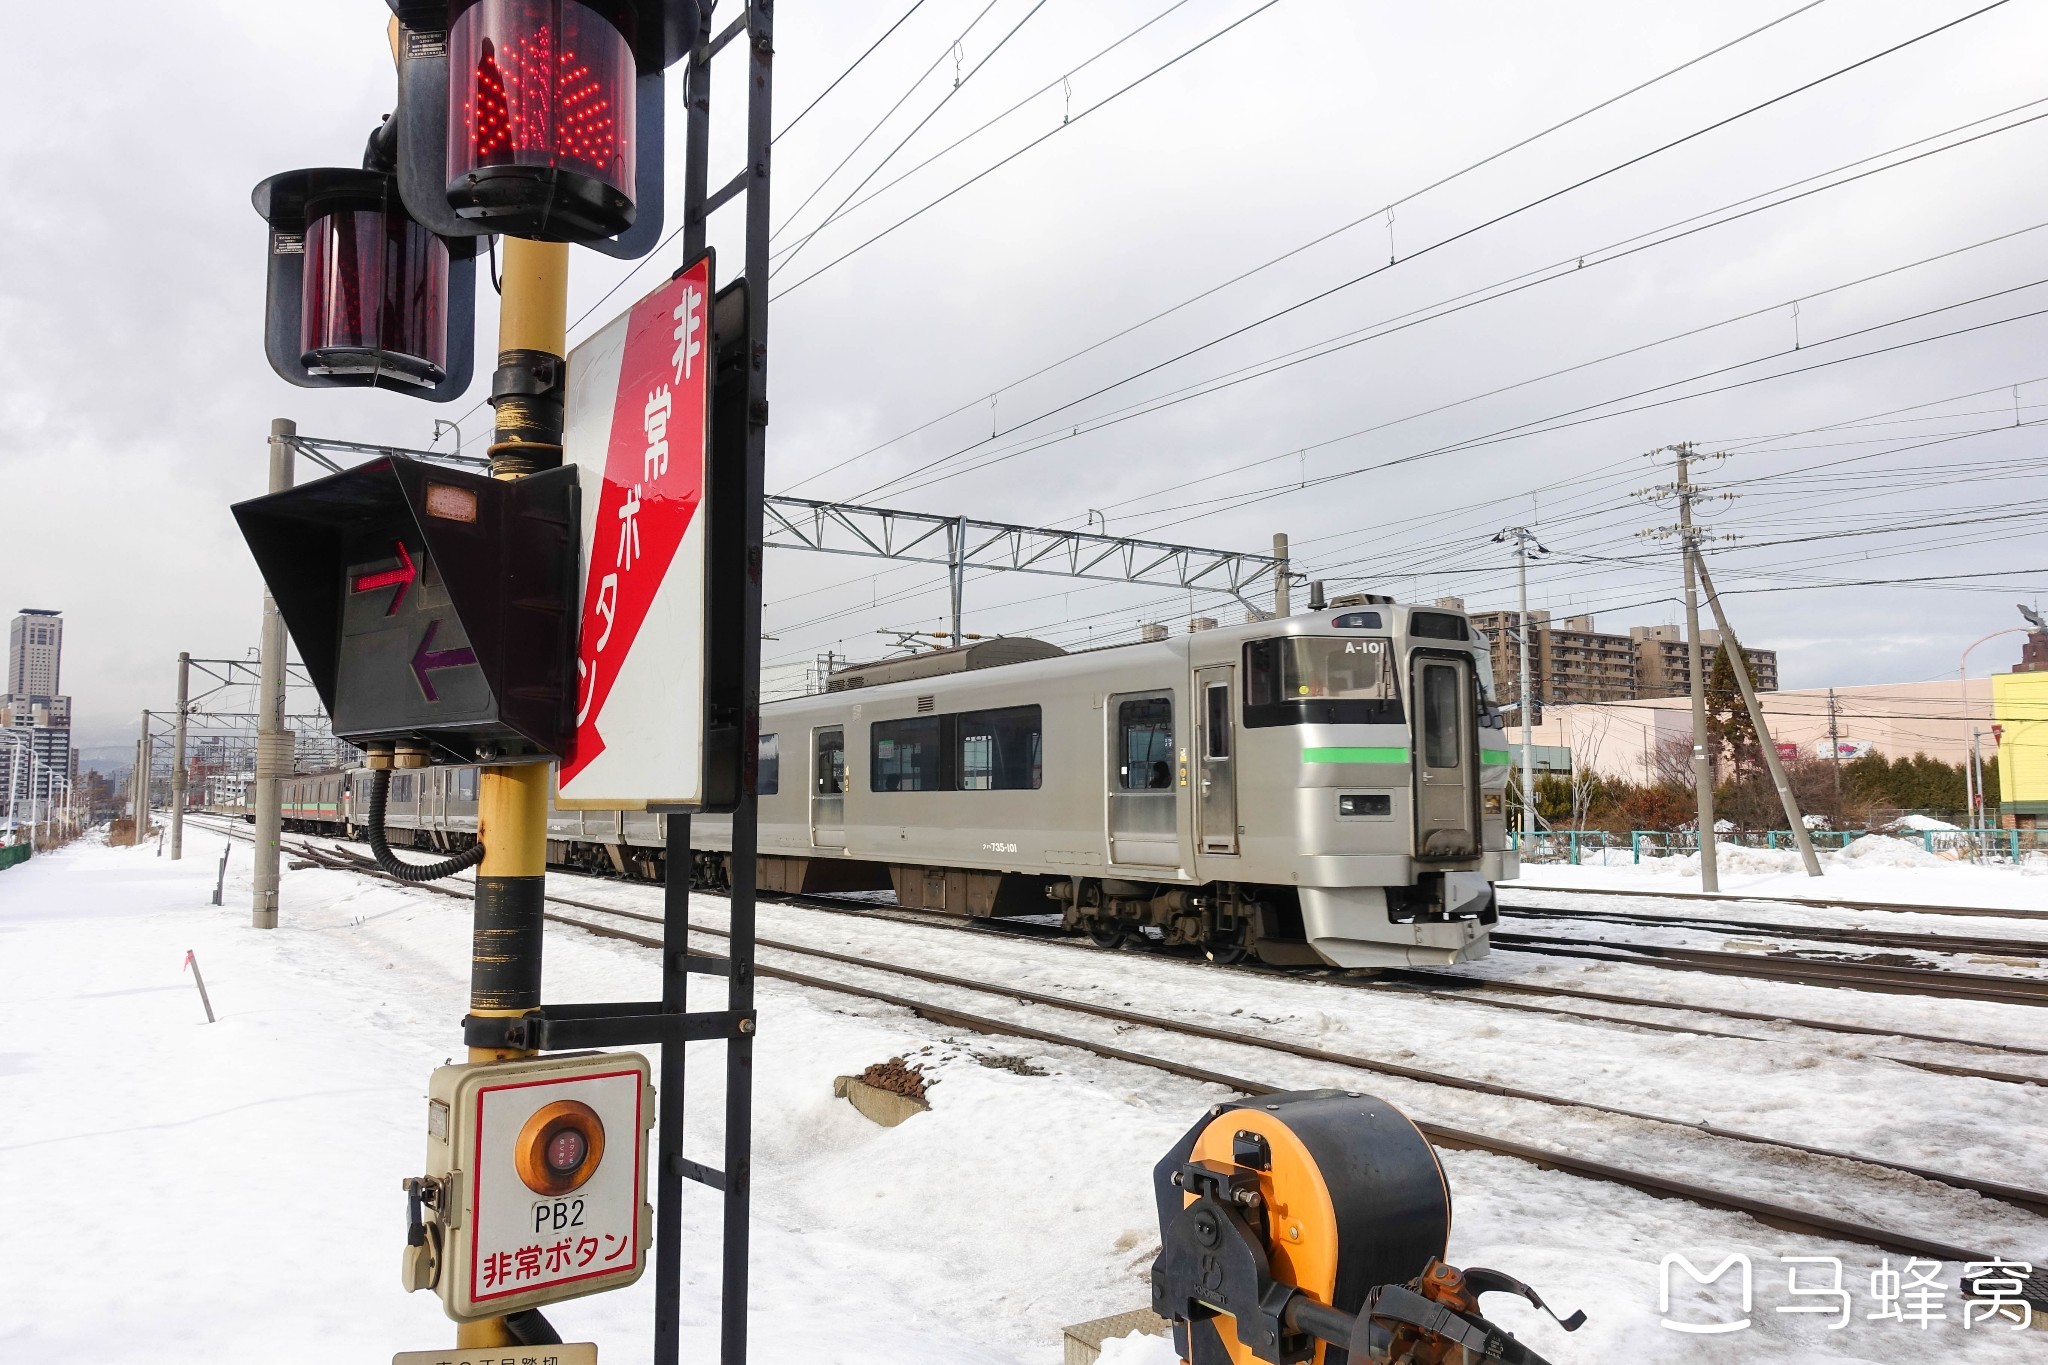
137, 400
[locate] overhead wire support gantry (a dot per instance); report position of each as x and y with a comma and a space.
963, 543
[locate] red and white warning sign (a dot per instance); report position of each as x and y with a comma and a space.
637, 424
543, 1164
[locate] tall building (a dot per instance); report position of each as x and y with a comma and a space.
35, 653
36, 759
1572, 663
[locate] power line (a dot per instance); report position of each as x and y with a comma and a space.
1294, 251
876, 169
983, 174
1055, 82
915, 6
1230, 379
891, 113
1464, 232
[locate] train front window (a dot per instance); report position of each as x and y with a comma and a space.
1320, 680
1145, 727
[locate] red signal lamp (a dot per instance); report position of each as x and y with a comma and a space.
360, 293
538, 118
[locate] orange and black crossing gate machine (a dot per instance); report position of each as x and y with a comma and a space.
1311, 1227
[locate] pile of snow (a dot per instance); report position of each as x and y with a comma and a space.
1874, 850
1138, 1349
1919, 824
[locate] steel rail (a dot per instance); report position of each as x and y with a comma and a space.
1806, 971
1875, 938
2033, 1200
1440, 984
2025, 1198
1780, 1216
1819, 902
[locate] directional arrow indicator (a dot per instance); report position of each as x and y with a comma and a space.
402, 577
426, 659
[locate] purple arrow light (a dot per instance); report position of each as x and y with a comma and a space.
426, 659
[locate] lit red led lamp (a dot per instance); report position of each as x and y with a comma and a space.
538, 118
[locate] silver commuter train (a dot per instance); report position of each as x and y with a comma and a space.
1328, 787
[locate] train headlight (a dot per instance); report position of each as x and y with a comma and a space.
1490, 803
559, 1148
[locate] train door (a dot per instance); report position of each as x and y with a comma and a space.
1446, 766
828, 787
1144, 825
1216, 811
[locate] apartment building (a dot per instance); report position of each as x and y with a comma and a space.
1571, 662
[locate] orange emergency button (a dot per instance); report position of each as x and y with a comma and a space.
559, 1147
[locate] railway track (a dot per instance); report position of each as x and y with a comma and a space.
1815, 902
1449, 986
1806, 971
1463, 989
1861, 937
1776, 1214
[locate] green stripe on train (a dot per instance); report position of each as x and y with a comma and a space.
1392, 754
1495, 756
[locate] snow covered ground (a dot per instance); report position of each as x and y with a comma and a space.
229, 1192
1873, 868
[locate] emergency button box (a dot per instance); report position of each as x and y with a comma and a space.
538, 1174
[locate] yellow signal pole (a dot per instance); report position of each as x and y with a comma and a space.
512, 799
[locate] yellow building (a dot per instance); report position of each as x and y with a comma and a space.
2019, 707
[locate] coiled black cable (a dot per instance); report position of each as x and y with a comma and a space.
380, 789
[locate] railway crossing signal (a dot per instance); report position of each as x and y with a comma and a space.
437, 610
428, 604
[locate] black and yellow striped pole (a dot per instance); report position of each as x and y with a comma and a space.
512, 799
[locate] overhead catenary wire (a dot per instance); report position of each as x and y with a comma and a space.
869, 52
1457, 236
881, 122
1313, 242
959, 84
1076, 119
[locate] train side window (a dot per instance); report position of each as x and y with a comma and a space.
832, 762
1439, 716
768, 766
465, 785
908, 755
1216, 733
999, 750
1145, 744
